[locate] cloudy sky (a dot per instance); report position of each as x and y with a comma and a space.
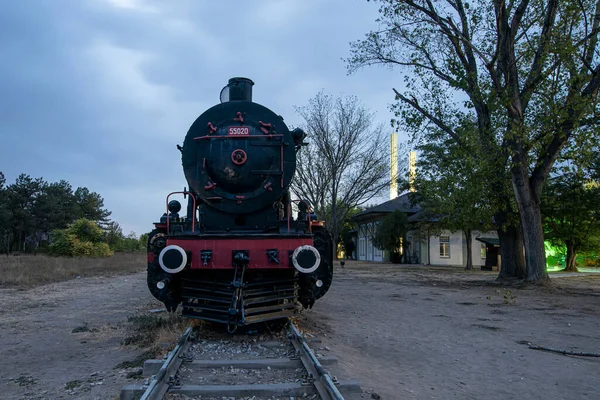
99, 92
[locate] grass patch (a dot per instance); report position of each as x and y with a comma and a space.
73, 384
26, 271
25, 380
83, 328
147, 330
156, 333
488, 327
139, 360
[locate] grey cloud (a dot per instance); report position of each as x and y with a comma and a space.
99, 95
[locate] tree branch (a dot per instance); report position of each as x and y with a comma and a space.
438, 122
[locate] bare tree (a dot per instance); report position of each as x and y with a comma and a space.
346, 162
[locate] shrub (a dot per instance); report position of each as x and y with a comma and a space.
81, 239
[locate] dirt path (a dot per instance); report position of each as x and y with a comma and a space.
41, 357
405, 336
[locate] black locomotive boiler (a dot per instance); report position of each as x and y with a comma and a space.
238, 255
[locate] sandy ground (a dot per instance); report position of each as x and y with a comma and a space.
403, 332
41, 357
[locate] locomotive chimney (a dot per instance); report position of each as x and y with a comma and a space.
238, 89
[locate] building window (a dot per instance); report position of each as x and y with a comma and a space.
483, 252
445, 246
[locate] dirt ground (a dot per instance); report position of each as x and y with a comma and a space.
439, 333
63, 340
402, 332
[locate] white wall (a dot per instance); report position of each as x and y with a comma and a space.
456, 249
367, 252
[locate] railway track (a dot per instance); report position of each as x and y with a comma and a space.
243, 367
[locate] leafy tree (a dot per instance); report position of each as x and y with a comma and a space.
113, 235
459, 191
22, 197
527, 73
390, 232
31, 209
345, 165
131, 243
80, 239
572, 215
5, 216
143, 241
450, 187
571, 201
55, 208
90, 206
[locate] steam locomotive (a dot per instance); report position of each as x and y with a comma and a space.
238, 256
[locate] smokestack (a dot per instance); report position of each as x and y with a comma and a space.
237, 89
393, 166
412, 170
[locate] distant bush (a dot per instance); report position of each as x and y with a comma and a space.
80, 239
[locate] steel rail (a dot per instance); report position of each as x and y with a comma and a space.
159, 385
324, 379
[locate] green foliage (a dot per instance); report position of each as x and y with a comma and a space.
113, 235
144, 241
5, 215
131, 243
390, 232
86, 230
453, 187
80, 239
571, 205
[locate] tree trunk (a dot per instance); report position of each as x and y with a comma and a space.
511, 253
469, 250
571, 263
404, 255
531, 222
428, 248
335, 235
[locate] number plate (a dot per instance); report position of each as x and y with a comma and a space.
238, 131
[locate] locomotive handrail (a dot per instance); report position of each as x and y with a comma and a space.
193, 216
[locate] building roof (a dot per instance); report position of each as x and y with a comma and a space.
401, 203
422, 216
492, 241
